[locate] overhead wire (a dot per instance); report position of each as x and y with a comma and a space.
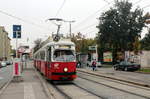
137, 2
107, 1
99, 10
146, 6
20, 19
58, 11
84, 20
87, 27
89, 32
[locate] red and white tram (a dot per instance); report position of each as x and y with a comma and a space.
57, 60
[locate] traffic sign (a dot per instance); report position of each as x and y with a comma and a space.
92, 48
16, 31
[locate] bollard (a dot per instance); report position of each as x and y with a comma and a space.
17, 70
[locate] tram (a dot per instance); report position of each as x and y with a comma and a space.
57, 60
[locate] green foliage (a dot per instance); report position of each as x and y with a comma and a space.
82, 43
144, 70
120, 27
145, 42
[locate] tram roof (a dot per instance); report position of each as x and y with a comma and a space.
60, 42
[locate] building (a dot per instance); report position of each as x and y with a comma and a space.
5, 49
145, 59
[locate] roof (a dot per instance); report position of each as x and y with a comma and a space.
61, 42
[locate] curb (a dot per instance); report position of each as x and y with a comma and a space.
142, 72
43, 82
5, 86
118, 79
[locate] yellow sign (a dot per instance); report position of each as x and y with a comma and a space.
64, 46
107, 57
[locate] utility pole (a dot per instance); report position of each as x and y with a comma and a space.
70, 22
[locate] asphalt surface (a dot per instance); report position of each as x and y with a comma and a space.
5, 74
109, 89
133, 76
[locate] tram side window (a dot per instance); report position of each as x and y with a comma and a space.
39, 56
49, 54
42, 55
36, 57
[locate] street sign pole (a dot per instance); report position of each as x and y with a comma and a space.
16, 44
16, 35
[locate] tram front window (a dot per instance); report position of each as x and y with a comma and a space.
64, 55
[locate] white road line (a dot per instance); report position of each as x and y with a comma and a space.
28, 91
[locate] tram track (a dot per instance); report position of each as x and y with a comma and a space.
61, 92
122, 82
58, 91
76, 88
113, 87
90, 91
116, 79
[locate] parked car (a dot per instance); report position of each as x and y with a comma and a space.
98, 63
0, 64
126, 66
3, 63
9, 62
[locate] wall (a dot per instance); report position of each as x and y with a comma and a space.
5, 48
145, 59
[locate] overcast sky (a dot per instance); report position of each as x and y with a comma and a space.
34, 14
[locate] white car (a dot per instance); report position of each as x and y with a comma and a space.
3, 64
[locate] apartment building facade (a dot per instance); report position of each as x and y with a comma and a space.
5, 47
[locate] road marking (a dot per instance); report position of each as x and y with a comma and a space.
28, 91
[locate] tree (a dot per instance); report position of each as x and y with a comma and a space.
145, 42
82, 43
120, 27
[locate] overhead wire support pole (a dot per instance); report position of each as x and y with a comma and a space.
70, 28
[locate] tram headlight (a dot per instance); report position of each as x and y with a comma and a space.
65, 69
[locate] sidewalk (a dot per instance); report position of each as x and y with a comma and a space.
30, 88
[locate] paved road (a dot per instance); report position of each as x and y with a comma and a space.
139, 77
5, 74
109, 89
